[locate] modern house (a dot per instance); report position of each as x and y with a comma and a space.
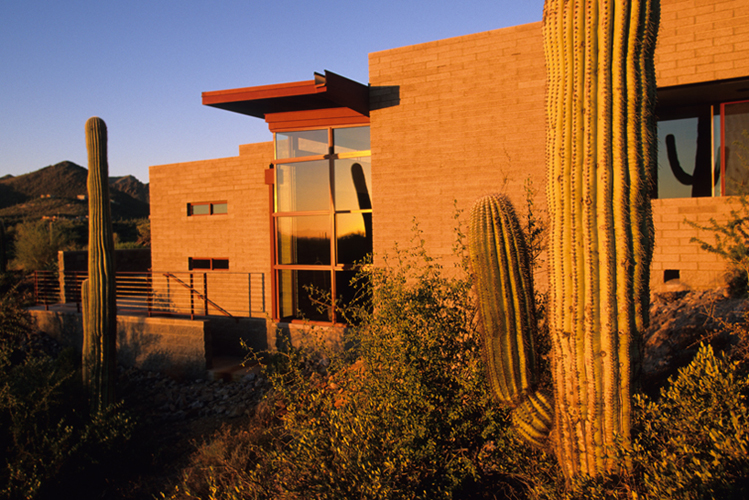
439, 124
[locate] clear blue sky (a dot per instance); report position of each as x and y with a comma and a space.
142, 65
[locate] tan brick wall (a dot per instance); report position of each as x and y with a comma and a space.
242, 235
468, 120
673, 247
702, 40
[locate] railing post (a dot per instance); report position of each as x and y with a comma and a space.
192, 298
78, 277
36, 288
205, 294
262, 289
149, 293
249, 294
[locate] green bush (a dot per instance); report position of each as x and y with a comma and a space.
731, 238
402, 413
37, 244
405, 413
49, 444
694, 442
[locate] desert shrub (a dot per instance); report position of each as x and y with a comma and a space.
402, 413
731, 242
690, 443
693, 443
37, 244
49, 444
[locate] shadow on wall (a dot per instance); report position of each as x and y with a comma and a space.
385, 96
178, 347
177, 351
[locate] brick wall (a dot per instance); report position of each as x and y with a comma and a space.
452, 120
674, 251
702, 40
242, 235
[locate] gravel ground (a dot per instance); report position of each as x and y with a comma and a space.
174, 417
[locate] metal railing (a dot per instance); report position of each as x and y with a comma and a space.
164, 293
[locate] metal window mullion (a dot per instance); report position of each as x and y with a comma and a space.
334, 229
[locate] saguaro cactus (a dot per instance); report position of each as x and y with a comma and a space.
601, 145
504, 288
600, 159
3, 254
98, 291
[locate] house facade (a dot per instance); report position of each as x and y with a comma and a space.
439, 124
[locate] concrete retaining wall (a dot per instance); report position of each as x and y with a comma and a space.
178, 347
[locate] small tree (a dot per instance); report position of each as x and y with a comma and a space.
38, 242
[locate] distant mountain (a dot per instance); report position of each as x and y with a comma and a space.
132, 186
60, 190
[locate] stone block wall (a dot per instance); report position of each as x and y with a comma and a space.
452, 120
178, 347
702, 40
242, 235
675, 257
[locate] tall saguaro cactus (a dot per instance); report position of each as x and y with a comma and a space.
600, 159
601, 145
98, 291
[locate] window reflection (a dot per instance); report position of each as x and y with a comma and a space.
299, 294
350, 139
299, 144
353, 237
321, 227
304, 240
685, 156
303, 187
736, 147
353, 181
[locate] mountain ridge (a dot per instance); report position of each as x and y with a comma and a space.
60, 191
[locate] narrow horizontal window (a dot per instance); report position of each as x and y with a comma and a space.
207, 208
201, 264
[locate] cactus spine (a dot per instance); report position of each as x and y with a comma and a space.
98, 291
600, 158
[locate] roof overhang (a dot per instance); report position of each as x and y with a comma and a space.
328, 95
670, 99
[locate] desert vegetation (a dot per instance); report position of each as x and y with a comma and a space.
404, 412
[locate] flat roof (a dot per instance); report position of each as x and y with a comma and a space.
327, 91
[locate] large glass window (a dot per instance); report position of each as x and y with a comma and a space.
704, 151
322, 218
686, 154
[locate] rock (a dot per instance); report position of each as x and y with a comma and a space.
679, 321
